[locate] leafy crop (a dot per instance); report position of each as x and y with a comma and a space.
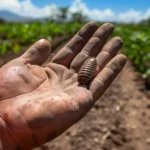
136, 39
137, 46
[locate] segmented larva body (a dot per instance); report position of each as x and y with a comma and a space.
87, 71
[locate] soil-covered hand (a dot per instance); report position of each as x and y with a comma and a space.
38, 103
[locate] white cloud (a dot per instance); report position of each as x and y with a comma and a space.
78, 5
94, 14
11, 5
133, 16
107, 14
147, 14
27, 8
130, 16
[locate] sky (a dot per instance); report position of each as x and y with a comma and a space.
98, 10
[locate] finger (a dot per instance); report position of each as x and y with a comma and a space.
70, 50
94, 46
58, 69
37, 53
108, 52
107, 75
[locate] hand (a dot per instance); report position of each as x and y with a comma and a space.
37, 103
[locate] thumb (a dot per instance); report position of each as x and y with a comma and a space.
37, 53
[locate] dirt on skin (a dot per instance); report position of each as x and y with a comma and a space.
120, 119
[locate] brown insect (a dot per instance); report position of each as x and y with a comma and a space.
87, 71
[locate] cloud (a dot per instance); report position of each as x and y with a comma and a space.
27, 8
107, 14
129, 16
79, 6
11, 5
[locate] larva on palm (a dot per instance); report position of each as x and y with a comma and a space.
87, 71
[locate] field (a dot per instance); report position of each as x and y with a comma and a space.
120, 120
136, 47
13, 37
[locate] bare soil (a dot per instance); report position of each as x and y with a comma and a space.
120, 119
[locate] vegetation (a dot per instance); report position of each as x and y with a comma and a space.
14, 36
79, 17
2, 21
63, 14
145, 22
136, 38
136, 46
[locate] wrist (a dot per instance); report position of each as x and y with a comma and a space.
6, 143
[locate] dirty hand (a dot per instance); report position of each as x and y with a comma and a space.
38, 103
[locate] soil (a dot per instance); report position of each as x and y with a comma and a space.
120, 119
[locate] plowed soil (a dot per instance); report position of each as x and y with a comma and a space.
120, 119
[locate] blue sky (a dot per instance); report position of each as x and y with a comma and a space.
97, 10
115, 5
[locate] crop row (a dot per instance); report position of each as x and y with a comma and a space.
137, 46
136, 39
13, 36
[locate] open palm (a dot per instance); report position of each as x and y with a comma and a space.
38, 103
